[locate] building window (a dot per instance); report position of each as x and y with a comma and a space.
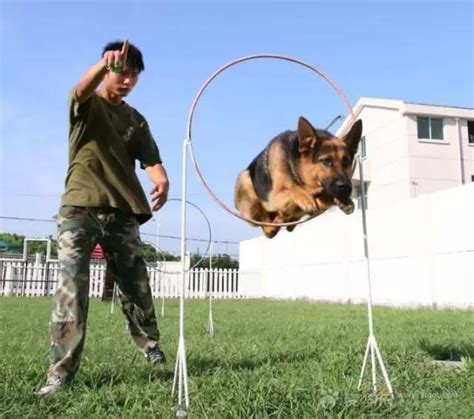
430, 128
470, 131
363, 148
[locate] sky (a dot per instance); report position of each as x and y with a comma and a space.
420, 51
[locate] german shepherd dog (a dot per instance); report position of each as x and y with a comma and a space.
299, 173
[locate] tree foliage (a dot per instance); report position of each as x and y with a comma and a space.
219, 261
16, 241
15, 245
152, 255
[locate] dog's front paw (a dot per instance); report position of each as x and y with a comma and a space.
305, 202
270, 232
346, 206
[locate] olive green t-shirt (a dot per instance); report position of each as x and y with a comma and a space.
104, 141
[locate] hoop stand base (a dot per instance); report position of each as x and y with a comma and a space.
210, 324
180, 379
375, 355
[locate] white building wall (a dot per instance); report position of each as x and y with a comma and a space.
422, 254
434, 165
399, 165
386, 155
438, 165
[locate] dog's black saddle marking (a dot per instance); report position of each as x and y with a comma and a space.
258, 168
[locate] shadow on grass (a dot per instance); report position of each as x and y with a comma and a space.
447, 351
110, 378
199, 365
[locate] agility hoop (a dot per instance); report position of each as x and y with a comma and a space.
180, 380
208, 246
198, 96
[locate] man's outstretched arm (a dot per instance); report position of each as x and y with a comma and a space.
94, 75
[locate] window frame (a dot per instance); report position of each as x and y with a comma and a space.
470, 138
430, 129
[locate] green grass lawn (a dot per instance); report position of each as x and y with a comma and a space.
267, 359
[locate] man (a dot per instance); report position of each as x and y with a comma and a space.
104, 203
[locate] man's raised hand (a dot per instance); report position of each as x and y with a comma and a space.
116, 60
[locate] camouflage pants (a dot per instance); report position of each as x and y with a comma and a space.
79, 230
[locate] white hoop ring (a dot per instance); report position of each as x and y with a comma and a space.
193, 108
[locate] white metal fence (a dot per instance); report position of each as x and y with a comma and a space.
32, 279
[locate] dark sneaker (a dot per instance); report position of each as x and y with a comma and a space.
155, 356
52, 386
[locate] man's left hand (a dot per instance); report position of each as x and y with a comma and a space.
159, 195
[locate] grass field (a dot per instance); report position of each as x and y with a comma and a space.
267, 359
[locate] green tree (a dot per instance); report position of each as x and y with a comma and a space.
15, 244
152, 255
41, 247
12, 240
219, 261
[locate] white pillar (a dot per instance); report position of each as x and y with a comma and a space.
460, 152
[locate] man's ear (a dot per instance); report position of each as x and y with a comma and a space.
307, 137
352, 138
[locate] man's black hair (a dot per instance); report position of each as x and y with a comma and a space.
134, 57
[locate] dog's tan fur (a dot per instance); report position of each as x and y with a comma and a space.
299, 178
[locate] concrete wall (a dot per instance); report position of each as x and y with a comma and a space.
387, 163
421, 253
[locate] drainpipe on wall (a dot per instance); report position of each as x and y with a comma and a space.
461, 152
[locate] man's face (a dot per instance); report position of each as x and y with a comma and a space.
121, 84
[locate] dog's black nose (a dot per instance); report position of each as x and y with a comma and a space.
343, 188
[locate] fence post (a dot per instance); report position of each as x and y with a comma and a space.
102, 273
9, 275
202, 288
220, 283
228, 281
35, 276
215, 285
234, 282
92, 279
54, 283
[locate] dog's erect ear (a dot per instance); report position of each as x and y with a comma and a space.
352, 138
307, 137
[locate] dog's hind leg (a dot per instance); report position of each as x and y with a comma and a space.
246, 199
250, 206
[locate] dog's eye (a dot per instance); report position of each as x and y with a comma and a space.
327, 161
